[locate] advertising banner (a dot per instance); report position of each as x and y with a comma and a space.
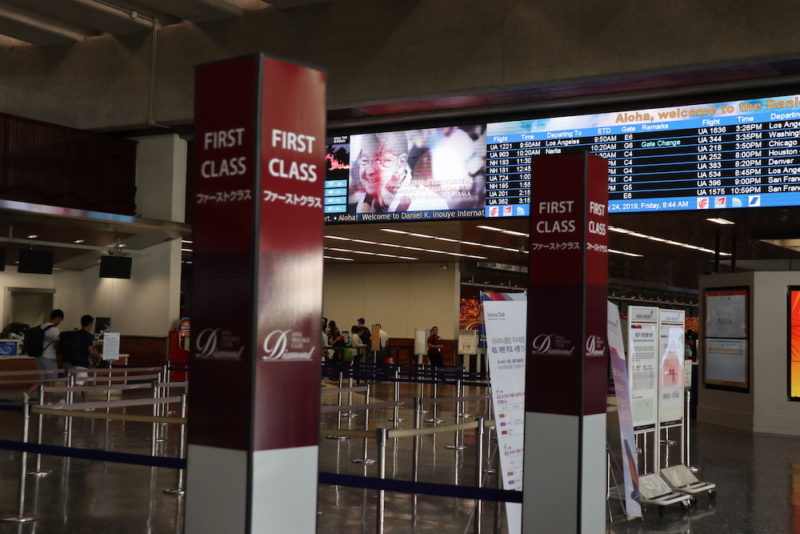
672, 352
622, 393
505, 315
726, 338
794, 343
643, 364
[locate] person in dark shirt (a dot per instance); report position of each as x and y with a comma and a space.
435, 346
364, 333
86, 355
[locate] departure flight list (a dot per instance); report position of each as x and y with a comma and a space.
709, 156
738, 154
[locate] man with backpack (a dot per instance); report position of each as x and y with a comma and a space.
41, 341
77, 348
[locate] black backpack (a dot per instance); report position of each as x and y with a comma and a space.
33, 342
69, 345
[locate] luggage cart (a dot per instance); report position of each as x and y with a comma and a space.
681, 479
654, 491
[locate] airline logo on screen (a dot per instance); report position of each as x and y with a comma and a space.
287, 345
218, 344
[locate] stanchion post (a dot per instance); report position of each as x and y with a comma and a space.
417, 425
396, 417
39, 472
179, 491
456, 433
380, 512
70, 398
364, 459
478, 473
154, 435
350, 395
20, 516
435, 412
687, 445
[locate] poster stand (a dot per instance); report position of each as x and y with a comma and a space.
662, 483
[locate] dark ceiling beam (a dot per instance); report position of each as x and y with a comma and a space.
38, 29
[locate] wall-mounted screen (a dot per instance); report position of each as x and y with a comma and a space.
35, 261
738, 154
410, 175
115, 267
794, 343
726, 338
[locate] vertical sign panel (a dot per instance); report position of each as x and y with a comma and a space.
643, 364
290, 256
223, 258
671, 355
289, 293
566, 366
258, 297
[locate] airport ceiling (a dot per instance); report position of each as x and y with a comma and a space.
47, 22
654, 256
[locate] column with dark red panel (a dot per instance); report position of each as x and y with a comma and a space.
257, 295
565, 400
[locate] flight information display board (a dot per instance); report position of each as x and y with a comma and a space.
739, 154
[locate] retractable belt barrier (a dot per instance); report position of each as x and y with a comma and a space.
94, 454
420, 488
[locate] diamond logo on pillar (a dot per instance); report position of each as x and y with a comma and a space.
218, 344
595, 346
552, 345
286, 345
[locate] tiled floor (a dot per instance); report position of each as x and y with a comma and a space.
758, 479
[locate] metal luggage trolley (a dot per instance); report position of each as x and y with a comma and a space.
653, 490
682, 480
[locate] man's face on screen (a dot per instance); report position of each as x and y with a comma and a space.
377, 165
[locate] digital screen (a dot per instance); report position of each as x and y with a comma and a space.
738, 154
433, 173
726, 341
794, 343
115, 267
35, 261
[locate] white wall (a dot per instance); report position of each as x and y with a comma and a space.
772, 412
726, 408
400, 296
766, 407
10, 279
146, 305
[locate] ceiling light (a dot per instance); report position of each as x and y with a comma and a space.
662, 240
366, 253
186, 241
186, 250
719, 220
502, 230
450, 240
78, 241
406, 247
612, 251
32, 236
337, 258
122, 245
